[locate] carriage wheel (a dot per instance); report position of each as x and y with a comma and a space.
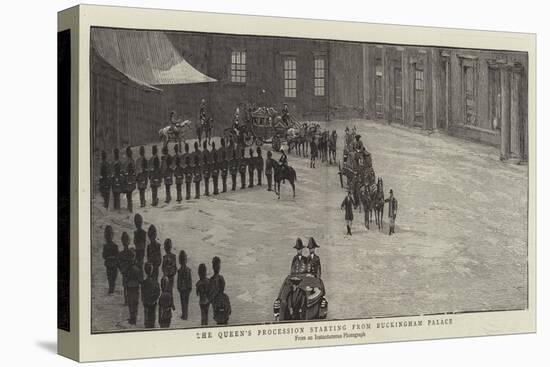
276, 146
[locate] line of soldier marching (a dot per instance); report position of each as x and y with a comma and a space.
184, 169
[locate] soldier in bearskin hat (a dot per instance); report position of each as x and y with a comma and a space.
105, 179
124, 262
110, 257
117, 180
224, 169
130, 178
155, 175
216, 294
166, 303
184, 284
298, 265
134, 278
313, 262
233, 169
188, 172
142, 178
251, 163
179, 175
150, 292
215, 169
154, 256
206, 171
140, 238
167, 173
169, 265
197, 177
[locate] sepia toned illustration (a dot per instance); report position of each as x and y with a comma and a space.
242, 180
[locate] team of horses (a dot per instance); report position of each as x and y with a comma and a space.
302, 138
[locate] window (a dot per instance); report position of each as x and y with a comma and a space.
319, 77
418, 93
469, 95
238, 66
419, 80
290, 77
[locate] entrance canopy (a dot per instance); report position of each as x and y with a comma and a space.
147, 57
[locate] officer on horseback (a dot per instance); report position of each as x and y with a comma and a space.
283, 163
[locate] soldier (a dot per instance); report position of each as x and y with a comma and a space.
348, 205
196, 153
313, 262
233, 169
117, 180
298, 265
169, 266
110, 255
223, 168
206, 172
202, 291
184, 284
150, 292
124, 263
175, 156
140, 160
167, 173
154, 256
219, 300
259, 165
251, 163
140, 237
242, 168
154, 154
197, 177
392, 211
134, 278
185, 154
179, 175
188, 172
142, 180
285, 114
215, 168
365, 202
166, 303
130, 178
296, 300
269, 163
155, 176
105, 179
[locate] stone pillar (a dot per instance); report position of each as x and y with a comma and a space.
505, 112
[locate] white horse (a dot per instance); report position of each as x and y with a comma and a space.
174, 133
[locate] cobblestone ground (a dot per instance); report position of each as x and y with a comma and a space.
460, 243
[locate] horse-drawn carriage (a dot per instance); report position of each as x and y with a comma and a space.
316, 303
264, 126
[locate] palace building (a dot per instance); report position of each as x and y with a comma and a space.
138, 77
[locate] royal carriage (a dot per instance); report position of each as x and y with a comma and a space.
316, 303
263, 126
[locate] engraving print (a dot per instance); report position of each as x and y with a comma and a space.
251, 179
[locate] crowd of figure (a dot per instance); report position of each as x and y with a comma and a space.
184, 169
140, 267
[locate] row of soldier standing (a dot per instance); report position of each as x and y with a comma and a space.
187, 168
138, 275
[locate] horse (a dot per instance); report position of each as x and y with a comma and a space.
379, 202
323, 145
284, 173
175, 134
332, 147
292, 138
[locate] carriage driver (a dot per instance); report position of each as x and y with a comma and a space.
236, 127
358, 144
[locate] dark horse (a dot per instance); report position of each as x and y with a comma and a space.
332, 147
379, 203
281, 173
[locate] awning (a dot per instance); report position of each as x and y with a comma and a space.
146, 57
